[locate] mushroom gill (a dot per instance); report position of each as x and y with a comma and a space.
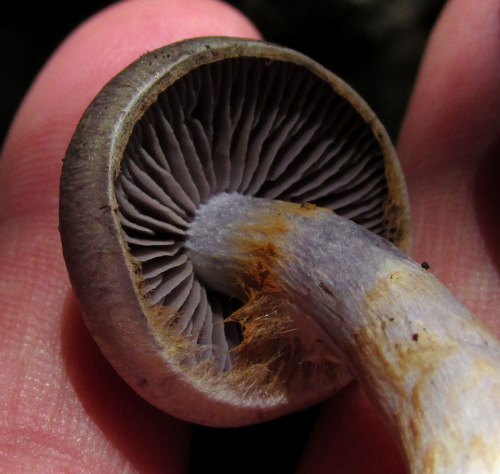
253, 126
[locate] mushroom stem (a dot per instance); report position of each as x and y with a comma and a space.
427, 364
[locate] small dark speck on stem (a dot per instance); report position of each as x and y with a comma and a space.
425, 266
414, 337
326, 290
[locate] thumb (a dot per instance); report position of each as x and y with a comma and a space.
64, 407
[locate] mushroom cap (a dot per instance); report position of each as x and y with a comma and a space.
181, 124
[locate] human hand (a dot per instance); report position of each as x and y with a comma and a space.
63, 408
67, 410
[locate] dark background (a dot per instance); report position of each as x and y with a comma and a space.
375, 45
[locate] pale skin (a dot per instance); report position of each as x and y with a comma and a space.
63, 407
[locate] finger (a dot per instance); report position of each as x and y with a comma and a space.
449, 148
64, 409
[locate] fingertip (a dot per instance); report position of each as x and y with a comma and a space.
455, 103
449, 145
119, 34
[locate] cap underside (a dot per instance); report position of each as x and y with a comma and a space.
264, 128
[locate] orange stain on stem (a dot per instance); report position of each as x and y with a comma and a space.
261, 245
271, 339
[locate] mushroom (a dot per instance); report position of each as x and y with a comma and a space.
230, 214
